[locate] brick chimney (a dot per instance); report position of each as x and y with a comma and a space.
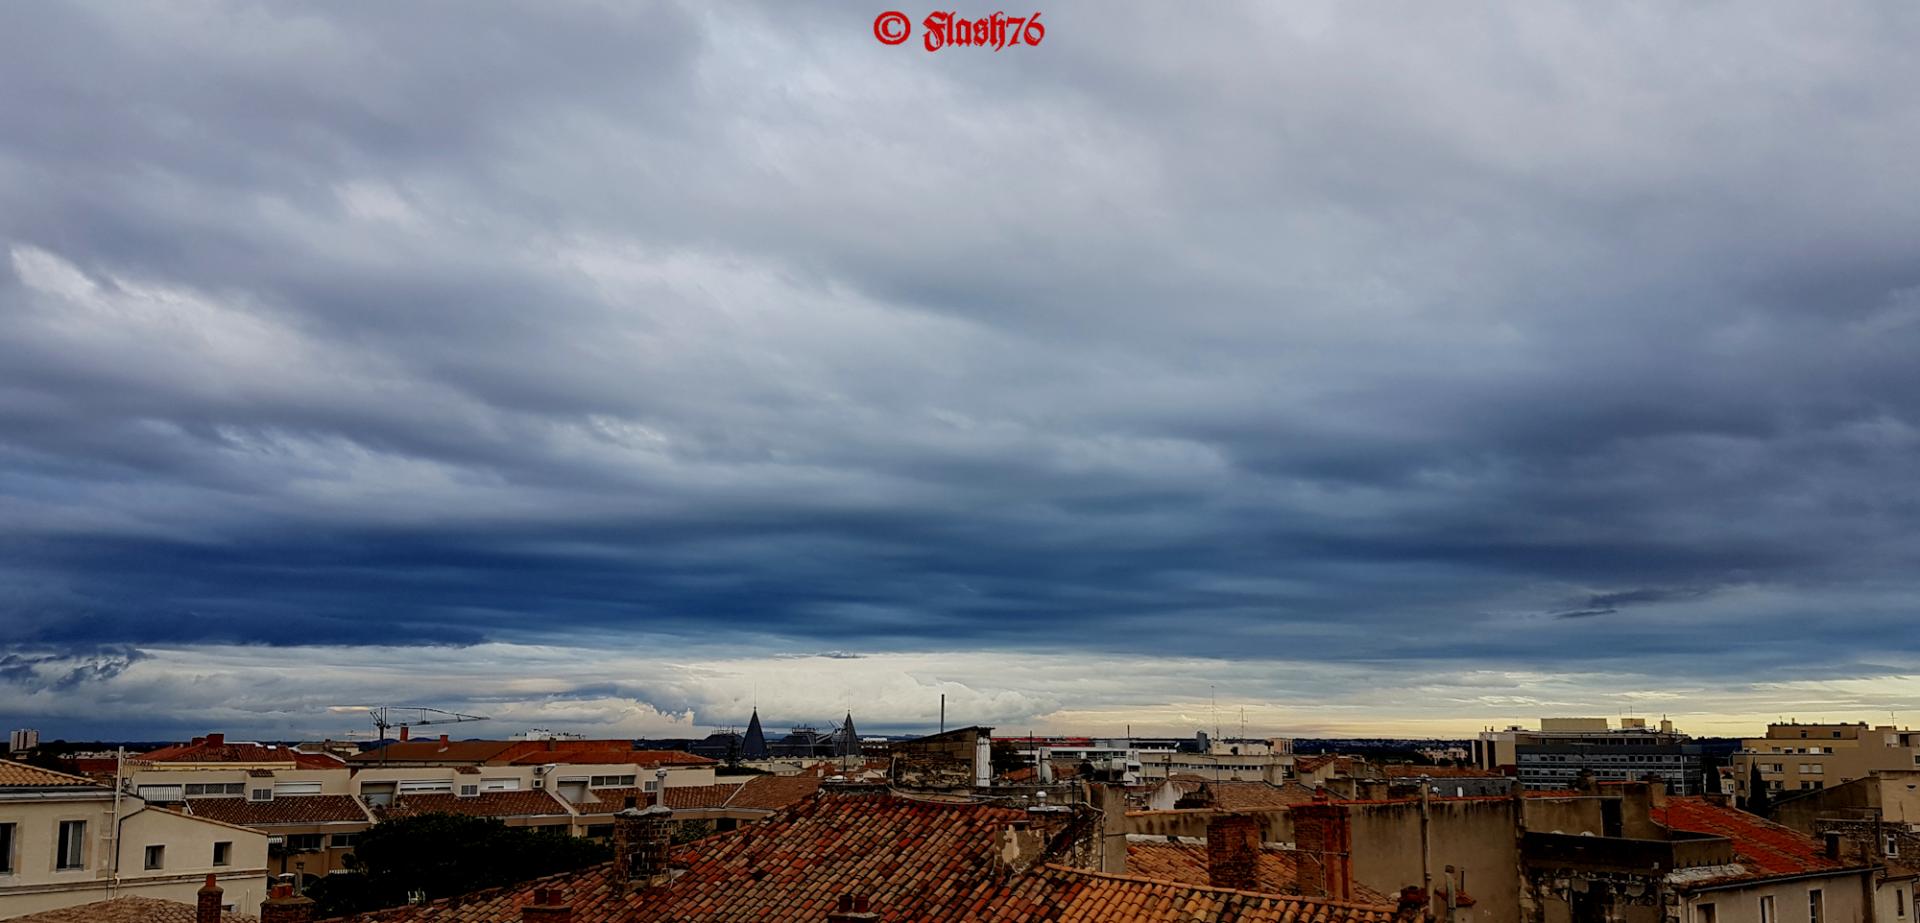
284, 906
206, 904
1323, 837
1233, 852
443, 741
216, 740
549, 906
404, 731
852, 909
642, 841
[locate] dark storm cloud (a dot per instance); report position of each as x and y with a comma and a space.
1361, 334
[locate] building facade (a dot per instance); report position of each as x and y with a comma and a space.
66, 841
1797, 757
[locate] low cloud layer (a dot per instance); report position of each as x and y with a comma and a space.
1378, 346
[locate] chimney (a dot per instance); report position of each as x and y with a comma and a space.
284, 906
1323, 838
404, 731
216, 740
197, 741
1233, 852
1833, 845
206, 905
549, 906
642, 840
852, 909
443, 741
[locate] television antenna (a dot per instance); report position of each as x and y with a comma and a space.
387, 717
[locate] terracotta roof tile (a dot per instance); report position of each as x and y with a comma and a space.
1079, 896
1764, 848
771, 793
911, 860
21, 775
485, 804
1186, 863
126, 910
285, 809
648, 758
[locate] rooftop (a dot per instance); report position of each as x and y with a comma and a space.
21, 775
1763, 848
485, 804
1186, 863
215, 748
285, 809
126, 910
911, 860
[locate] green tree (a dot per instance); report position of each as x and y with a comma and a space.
443, 855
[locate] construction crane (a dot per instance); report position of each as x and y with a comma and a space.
386, 717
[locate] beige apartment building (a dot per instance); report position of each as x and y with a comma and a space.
1797, 757
65, 840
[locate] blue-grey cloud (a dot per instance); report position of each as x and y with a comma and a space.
1376, 335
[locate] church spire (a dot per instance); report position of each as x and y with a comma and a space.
849, 742
754, 745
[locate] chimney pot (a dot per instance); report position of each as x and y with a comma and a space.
549, 906
206, 906
403, 731
853, 909
286, 907
443, 741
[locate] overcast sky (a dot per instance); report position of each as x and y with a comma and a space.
1384, 367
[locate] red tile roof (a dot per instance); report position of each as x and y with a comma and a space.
1186, 863
485, 804
1079, 896
21, 775
1253, 796
771, 793
648, 758
126, 910
1765, 849
285, 809
911, 860
203, 750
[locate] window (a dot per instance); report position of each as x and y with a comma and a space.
499, 785
1893, 846
223, 853
653, 785
215, 789
156, 857
1899, 903
425, 786
1816, 906
345, 840
303, 842
295, 788
1704, 914
610, 782
6, 849
73, 845
469, 791
1766, 910
261, 794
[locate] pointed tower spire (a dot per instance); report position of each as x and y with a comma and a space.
849, 739
754, 745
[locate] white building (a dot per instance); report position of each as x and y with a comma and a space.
66, 841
